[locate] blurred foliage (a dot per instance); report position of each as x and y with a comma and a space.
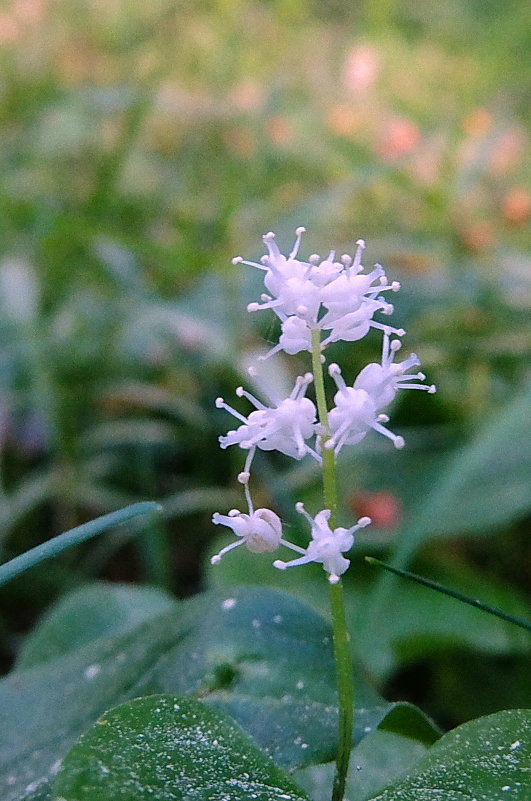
142, 145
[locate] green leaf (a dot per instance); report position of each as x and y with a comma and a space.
259, 655
90, 612
267, 660
74, 536
381, 758
485, 484
426, 622
487, 758
165, 747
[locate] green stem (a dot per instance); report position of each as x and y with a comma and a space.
459, 596
341, 637
329, 462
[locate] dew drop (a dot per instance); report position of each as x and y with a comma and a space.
92, 671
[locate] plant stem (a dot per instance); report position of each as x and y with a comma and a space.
342, 653
345, 689
466, 599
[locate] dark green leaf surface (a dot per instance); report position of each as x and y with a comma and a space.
488, 759
88, 613
378, 760
485, 484
165, 748
425, 622
259, 655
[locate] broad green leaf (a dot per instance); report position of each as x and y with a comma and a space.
378, 760
90, 612
45, 708
487, 758
425, 622
164, 747
484, 485
259, 655
267, 660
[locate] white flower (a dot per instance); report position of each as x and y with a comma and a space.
357, 408
382, 381
327, 546
260, 531
284, 427
278, 269
353, 416
326, 295
356, 324
296, 336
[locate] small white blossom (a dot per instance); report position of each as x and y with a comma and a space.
326, 547
260, 531
382, 381
325, 295
358, 408
355, 325
296, 336
284, 427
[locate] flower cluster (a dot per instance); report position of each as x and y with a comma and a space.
319, 302
331, 296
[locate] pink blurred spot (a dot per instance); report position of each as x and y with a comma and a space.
384, 508
399, 137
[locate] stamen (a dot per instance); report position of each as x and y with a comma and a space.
217, 558
242, 393
357, 256
298, 232
220, 404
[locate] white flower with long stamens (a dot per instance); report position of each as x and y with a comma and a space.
357, 408
354, 414
355, 325
328, 295
284, 427
296, 296
349, 290
260, 531
278, 269
327, 546
296, 336
382, 381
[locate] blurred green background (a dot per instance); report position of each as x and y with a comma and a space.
142, 145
